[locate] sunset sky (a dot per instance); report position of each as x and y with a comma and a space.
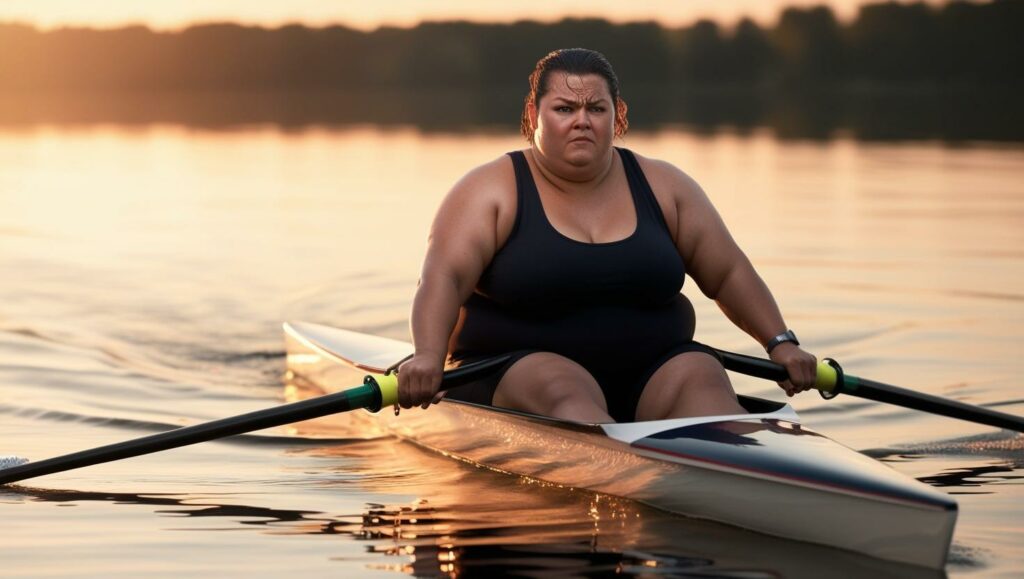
176, 14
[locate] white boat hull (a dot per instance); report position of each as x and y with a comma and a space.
764, 473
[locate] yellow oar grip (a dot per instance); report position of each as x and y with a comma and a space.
388, 385
825, 380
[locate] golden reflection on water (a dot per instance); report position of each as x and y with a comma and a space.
160, 245
889, 257
464, 511
467, 514
906, 238
177, 191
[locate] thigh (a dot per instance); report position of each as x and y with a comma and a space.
541, 381
688, 384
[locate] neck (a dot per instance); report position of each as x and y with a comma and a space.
570, 178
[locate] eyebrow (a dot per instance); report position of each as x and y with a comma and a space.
575, 102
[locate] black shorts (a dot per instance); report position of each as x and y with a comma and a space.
621, 384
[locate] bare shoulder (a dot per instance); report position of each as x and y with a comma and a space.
492, 183
667, 177
487, 193
490, 177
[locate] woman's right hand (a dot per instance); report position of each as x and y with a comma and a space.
419, 379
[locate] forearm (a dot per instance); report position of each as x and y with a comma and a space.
435, 311
746, 300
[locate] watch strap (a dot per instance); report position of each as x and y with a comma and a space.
787, 336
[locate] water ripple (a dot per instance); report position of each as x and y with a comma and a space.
1001, 443
590, 539
152, 426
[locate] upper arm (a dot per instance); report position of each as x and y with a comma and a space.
474, 219
704, 242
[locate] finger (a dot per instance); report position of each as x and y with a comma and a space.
787, 387
415, 395
403, 388
812, 368
795, 388
808, 379
426, 397
438, 397
406, 400
430, 384
790, 385
423, 392
799, 380
798, 376
410, 393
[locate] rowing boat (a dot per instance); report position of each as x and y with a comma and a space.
762, 471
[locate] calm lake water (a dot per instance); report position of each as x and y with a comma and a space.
146, 271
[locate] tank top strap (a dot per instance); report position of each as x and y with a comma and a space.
643, 196
528, 205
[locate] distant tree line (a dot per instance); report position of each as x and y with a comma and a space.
963, 43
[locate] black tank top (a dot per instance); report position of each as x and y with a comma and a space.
595, 303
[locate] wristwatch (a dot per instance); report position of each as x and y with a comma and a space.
787, 336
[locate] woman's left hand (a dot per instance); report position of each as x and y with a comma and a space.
801, 366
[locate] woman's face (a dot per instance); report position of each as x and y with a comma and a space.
575, 121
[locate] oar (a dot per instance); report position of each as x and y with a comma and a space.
832, 381
377, 391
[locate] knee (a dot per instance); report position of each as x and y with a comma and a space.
691, 371
565, 392
563, 381
684, 386
545, 380
705, 373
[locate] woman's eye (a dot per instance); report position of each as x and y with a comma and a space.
564, 109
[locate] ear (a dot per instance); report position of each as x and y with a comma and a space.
531, 112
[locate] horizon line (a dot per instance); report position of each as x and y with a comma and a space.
317, 24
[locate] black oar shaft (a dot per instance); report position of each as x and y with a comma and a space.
288, 413
751, 366
366, 396
890, 394
880, 392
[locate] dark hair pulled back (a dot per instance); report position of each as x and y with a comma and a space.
575, 61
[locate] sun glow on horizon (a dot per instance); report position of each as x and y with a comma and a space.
177, 15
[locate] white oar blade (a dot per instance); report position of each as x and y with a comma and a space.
11, 461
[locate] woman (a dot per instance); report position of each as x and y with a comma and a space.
571, 255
